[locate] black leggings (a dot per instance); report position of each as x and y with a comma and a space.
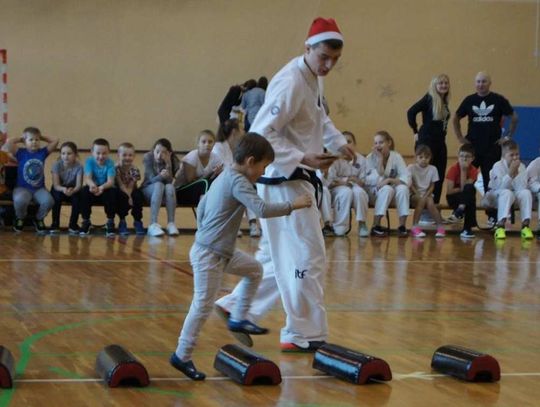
466, 197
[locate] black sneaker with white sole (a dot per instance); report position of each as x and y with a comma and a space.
40, 226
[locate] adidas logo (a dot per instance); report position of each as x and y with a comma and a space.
482, 112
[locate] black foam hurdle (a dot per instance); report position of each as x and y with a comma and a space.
349, 365
246, 367
118, 367
7, 368
466, 364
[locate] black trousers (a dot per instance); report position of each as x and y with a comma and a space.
466, 197
107, 199
60, 197
123, 207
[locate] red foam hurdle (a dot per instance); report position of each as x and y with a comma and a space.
7, 368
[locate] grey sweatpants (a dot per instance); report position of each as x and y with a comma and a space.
208, 269
23, 196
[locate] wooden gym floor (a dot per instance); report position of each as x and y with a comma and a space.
64, 298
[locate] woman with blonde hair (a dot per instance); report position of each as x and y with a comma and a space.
435, 117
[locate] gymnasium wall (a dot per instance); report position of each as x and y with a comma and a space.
138, 69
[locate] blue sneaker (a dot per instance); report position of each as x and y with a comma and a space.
139, 228
246, 327
122, 228
188, 368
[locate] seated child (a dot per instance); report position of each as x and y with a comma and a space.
508, 184
533, 179
161, 167
326, 204
423, 179
460, 190
67, 175
346, 184
387, 180
218, 219
129, 196
99, 173
31, 177
198, 164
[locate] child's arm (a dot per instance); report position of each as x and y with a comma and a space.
429, 191
244, 192
11, 145
190, 173
533, 174
78, 183
56, 183
51, 143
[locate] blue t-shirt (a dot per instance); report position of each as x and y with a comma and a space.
30, 171
99, 173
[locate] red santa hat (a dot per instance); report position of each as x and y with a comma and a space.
323, 29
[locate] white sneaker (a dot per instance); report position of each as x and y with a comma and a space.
155, 230
172, 230
363, 230
254, 230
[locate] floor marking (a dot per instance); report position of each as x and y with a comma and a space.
395, 376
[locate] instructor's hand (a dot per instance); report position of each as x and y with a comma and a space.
321, 161
349, 152
303, 201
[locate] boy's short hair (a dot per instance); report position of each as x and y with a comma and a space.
509, 145
126, 144
253, 145
101, 142
332, 44
466, 148
34, 131
422, 149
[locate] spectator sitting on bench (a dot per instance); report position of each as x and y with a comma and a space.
31, 177
129, 195
460, 190
67, 175
533, 179
161, 167
508, 184
99, 173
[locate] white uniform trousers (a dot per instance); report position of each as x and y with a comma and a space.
293, 256
382, 198
326, 206
502, 199
208, 269
345, 197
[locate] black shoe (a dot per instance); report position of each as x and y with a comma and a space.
55, 228
537, 233
109, 228
328, 231
40, 226
402, 231
18, 225
74, 229
378, 231
246, 327
85, 228
188, 368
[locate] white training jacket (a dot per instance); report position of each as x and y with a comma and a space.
533, 175
499, 178
293, 119
395, 168
342, 169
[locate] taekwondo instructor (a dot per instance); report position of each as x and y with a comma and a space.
292, 250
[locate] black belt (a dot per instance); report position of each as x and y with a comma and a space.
298, 174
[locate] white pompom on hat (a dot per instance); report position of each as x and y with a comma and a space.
323, 29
